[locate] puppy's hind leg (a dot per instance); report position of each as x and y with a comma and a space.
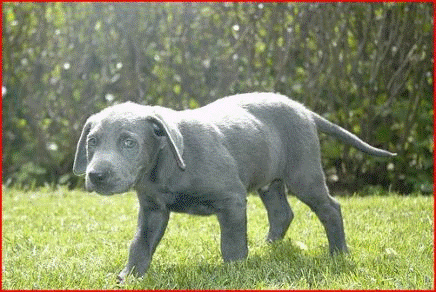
279, 212
313, 191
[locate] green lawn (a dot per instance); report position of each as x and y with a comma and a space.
75, 240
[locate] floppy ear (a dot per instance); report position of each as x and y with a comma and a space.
80, 160
173, 135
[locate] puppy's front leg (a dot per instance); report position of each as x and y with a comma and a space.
152, 222
233, 223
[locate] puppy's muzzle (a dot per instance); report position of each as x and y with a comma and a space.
99, 178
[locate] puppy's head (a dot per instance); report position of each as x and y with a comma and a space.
121, 143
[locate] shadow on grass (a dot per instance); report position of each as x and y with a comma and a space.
281, 265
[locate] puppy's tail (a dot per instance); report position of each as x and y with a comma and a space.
347, 137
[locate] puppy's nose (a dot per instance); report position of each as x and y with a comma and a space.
98, 177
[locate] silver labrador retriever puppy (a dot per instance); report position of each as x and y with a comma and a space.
204, 161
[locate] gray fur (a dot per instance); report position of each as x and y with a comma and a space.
204, 161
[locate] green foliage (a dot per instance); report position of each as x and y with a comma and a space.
73, 240
367, 67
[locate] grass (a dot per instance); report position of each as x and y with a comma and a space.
75, 240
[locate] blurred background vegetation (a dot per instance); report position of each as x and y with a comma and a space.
367, 67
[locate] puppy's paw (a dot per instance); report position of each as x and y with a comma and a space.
120, 280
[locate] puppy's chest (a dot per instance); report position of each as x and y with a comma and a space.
191, 204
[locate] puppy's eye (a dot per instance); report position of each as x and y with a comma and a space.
92, 141
158, 131
129, 143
